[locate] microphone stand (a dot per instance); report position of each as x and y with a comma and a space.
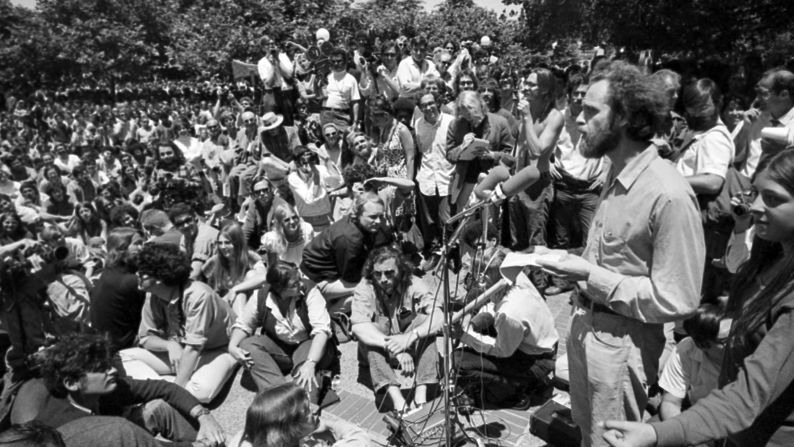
448, 244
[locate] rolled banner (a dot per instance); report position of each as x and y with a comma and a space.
781, 135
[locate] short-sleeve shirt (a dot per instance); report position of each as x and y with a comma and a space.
204, 246
342, 91
417, 298
203, 320
711, 152
689, 372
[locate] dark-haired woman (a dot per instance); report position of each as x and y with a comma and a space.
296, 332
12, 229
394, 157
87, 224
184, 326
282, 417
116, 301
755, 402
308, 184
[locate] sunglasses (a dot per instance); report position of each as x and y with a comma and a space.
331, 134
184, 222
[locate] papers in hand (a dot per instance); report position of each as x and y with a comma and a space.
477, 148
515, 262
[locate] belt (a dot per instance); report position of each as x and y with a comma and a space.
335, 109
587, 302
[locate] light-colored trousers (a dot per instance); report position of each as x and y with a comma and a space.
212, 371
612, 362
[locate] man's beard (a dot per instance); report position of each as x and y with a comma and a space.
171, 164
597, 145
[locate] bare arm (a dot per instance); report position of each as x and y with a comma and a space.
705, 183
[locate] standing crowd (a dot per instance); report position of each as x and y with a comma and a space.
154, 239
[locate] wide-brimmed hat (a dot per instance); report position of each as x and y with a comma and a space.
271, 120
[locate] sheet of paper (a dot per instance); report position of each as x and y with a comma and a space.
515, 262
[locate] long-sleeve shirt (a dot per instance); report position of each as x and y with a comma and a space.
56, 411
311, 198
410, 74
646, 243
522, 321
436, 171
288, 328
755, 405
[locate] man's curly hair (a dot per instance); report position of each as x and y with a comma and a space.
405, 273
638, 97
71, 357
165, 262
358, 173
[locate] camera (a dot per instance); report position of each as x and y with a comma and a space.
746, 198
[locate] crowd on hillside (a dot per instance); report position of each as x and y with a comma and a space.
156, 238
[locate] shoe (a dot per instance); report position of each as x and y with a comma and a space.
556, 290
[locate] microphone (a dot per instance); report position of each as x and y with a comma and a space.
522, 180
497, 175
480, 300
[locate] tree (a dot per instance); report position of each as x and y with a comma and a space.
108, 39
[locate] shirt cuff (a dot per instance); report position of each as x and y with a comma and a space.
195, 340
669, 432
601, 283
243, 327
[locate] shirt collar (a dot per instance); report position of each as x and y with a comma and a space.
635, 167
787, 117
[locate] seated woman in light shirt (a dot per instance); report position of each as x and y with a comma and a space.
288, 236
308, 186
295, 343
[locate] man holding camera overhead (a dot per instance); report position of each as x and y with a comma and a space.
275, 70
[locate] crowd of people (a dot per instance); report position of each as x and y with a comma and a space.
156, 238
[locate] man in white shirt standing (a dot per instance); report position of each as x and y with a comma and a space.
341, 94
275, 70
414, 68
435, 171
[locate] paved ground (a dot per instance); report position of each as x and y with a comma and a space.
231, 414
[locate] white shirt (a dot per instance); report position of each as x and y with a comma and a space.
711, 152
409, 75
522, 320
567, 156
689, 372
436, 171
311, 199
342, 91
289, 328
270, 76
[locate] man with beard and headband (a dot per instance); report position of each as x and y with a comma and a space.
395, 317
643, 261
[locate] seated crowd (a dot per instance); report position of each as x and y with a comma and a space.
153, 244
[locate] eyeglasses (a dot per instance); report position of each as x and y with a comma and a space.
213, 127
263, 192
184, 222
